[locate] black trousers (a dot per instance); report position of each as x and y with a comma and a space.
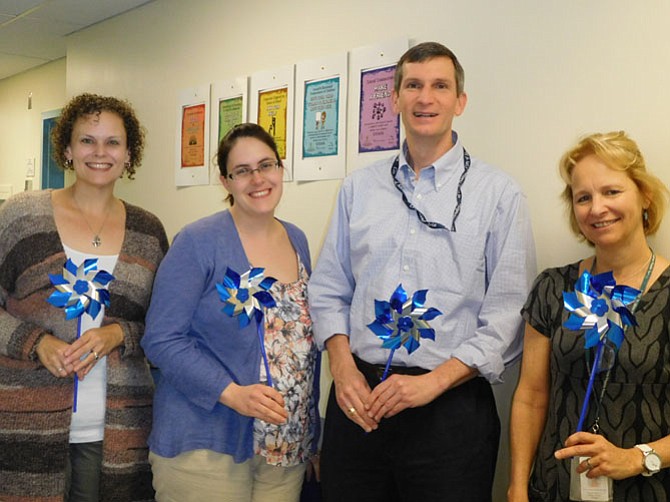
444, 451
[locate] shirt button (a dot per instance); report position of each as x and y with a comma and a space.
412, 231
419, 196
439, 185
405, 268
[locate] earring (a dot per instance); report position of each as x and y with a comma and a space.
645, 217
127, 164
68, 163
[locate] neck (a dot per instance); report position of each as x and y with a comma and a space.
253, 225
423, 152
625, 264
91, 199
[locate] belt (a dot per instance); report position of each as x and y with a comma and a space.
375, 372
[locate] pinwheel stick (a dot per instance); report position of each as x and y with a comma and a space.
261, 339
388, 365
76, 378
589, 387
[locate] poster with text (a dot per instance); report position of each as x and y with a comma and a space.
272, 112
193, 136
321, 118
230, 114
379, 125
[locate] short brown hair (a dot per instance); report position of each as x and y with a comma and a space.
423, 52
93, 104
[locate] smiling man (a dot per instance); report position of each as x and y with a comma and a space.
431, 218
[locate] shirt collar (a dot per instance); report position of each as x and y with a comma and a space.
442, 169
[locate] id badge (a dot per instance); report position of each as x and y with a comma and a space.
585, 489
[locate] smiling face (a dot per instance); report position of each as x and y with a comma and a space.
607, 204
259, 194
427, 99
98, 148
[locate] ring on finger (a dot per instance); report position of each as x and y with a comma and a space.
588, 464
95, 355
60, 370
352, 411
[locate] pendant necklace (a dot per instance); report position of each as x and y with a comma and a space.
96, 242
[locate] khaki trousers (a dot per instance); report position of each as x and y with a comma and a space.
200, 475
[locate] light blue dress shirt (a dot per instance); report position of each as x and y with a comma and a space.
478, 276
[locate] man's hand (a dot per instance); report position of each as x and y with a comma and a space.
399, 392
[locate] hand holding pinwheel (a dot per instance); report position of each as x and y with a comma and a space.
80, 290
403, 322
601, 307
244, 297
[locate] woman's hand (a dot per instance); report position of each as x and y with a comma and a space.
95, 343
257, 401
605, 459
51, 353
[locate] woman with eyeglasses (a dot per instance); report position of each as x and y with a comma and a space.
223, 429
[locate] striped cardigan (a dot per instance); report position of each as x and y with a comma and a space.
36, 407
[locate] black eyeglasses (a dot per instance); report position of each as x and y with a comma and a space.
419, 214
264, 168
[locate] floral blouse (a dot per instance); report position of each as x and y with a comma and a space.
291, 352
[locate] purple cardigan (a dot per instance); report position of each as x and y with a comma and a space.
200, 350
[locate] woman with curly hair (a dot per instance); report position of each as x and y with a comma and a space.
55, 445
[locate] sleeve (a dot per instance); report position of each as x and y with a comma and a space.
167, 342
18, 338
332, 284
544, 305
510, 270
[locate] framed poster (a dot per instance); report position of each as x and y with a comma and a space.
374, 128
271, 106
192, 145
228, 108
321, 86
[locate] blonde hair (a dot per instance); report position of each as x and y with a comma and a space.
618, 151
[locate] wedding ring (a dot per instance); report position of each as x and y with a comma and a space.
95, 354
61, 369
588, 464
352, 411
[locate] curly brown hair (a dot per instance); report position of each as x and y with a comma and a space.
89, 104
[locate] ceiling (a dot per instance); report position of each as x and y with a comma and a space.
33, 32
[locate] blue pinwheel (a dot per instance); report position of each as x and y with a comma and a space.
599, 306
244, 297
403, 322
80, 289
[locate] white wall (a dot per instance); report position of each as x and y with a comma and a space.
538, 75
21, 128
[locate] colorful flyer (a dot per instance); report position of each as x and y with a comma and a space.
230, 114
193, 136
272, 110
379, 124
321, 118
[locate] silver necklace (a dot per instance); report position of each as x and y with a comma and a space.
97, 241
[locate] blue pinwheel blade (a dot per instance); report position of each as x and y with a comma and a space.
411, 345
267, 283
625, 294
398, 297
255, 272
103, 277
93, 309
59, 299
265, 299
592, 338
427, 333
419, 298
392, 343
70, 267
627, 318
380, 329
598, 282
57, 280
430, 314
231, 279
224, 295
